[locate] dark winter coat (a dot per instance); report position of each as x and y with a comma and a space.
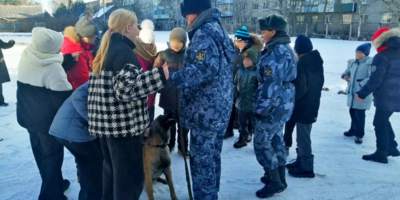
245, 85
170, 94
71, 121
4, 76
254, 44
309, 83
206, 79
384, 82
117, 98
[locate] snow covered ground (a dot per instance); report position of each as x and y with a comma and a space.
341, 173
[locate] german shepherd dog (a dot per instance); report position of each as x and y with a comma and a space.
157, 160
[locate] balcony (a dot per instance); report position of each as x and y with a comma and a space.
345, 8
164, 16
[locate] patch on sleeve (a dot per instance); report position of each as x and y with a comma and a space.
200, 56
373, 68
245, 55
268, 72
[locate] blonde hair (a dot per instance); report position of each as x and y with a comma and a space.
117, 22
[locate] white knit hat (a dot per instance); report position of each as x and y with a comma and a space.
147, 33
46, 41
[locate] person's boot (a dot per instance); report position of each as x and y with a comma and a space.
358, 140
65, 184
228, 134
348, 134
265, 179
240, 142
379, 156
249, 137
4, 104
274, 185
296, 163
282, 175
393, 151
299, 172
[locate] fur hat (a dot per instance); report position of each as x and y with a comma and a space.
46, 41
147, 33
178, 34
365, 48
85, 27
303, 45
194, 6
273, 22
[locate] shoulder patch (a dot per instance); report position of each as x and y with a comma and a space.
373, 68
268, 72
200, 56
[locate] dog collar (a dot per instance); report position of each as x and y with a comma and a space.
160, 146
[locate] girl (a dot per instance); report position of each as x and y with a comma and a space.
117, 106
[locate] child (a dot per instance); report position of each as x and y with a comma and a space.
117, 107
146, 52
42, 87
70, 128
357, 75
80, 39
245, 85
4, 76
170, 95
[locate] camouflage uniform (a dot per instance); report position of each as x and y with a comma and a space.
274, 101
206, 99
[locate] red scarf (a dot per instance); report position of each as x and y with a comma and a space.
381, 49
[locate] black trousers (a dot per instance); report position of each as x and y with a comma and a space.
152, 111
1, 94
385, 138
288, 135
123, 174
357, 122
173, 138
231, 120
49, 156
246, 120
89, 159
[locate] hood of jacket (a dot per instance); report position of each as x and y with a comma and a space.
257, 42
388, 39
312, 60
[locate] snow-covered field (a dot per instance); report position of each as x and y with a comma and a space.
341, 173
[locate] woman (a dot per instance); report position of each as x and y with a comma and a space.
80, 39
4, 77
117, 108
146, 52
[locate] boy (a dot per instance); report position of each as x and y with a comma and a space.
170, 95
245, 84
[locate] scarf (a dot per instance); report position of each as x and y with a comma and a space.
147, 52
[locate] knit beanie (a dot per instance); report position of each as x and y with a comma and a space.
242, 34
303, 45
252, 54
194, 6
178, 34
273, 22
364, 48
85, 28
46, 41
147, 33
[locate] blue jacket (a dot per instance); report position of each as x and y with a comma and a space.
384, 82
277, 69
71, 121
206, 79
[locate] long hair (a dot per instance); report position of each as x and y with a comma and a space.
117, 22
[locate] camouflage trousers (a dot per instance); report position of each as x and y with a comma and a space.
205, 163
269, 145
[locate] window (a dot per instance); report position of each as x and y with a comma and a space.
300, 19
228, 21
238, 7
364, 18
254, 20
315, 19
347, 19
255, 6
327, 19
265, 6
244, 6
387, 18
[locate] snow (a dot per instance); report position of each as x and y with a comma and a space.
341, 173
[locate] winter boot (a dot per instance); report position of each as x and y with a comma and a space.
274, 185
249, 138
358, 140
301, 173
240, 142
228, 135
379, 156
282, 174
265, 179
65, 184
348, 134
4, 104
394, 152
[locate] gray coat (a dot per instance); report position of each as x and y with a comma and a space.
359, 72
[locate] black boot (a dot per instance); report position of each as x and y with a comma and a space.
301, 173
65, 184
249, 137
240, 142
265, 179
274, 185
348, 134
282, 174
393, 151
228, 135
379, 156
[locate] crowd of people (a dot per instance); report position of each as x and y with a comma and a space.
97, 98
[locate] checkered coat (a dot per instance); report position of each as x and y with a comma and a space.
117, 97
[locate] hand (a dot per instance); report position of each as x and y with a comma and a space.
166, 70
1, 60
11, 41
76, 56
346, 78
358, 99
